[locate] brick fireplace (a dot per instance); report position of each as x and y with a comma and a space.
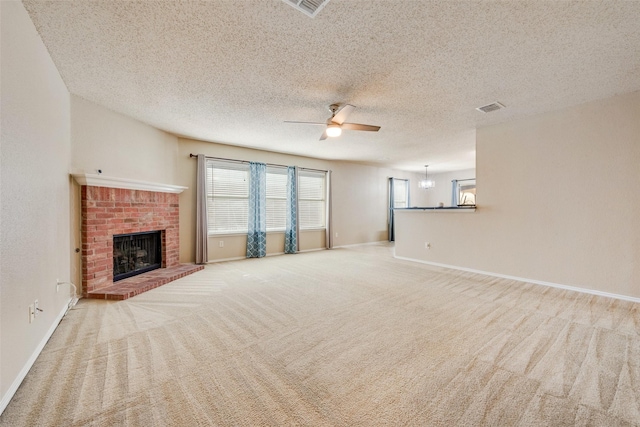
108, 211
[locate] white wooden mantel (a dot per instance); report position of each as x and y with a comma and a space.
99, 180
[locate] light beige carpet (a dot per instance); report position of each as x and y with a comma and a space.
348, 337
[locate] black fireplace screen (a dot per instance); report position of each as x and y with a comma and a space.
136, 253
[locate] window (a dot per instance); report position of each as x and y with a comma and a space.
398, 198
465, 192
228, 198
400, 193
311, 200
276, 199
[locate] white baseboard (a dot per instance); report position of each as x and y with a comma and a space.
524, 279
361, 244
27, 366
312, 250
226, 259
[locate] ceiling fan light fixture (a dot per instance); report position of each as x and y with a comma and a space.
334, 126
333, 130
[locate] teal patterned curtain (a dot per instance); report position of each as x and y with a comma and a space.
257, 235
291, 230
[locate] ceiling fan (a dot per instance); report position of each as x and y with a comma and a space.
336, 123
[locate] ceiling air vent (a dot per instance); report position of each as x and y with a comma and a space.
490, 107
308, 7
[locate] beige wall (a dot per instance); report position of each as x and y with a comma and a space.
235, 246
359, 201
121, 147
34, 165
557, 202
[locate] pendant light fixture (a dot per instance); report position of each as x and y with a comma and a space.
426, 183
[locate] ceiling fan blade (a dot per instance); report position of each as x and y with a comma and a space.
357, 126
343, 113
324, 136
305, 123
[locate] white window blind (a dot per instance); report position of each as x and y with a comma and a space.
227, 197
311, 199
400, 193
276, 198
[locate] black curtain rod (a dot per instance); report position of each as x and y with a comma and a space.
470, 179
245, 161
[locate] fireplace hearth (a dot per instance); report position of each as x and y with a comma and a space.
136, 253
109, 212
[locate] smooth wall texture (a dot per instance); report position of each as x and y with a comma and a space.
557, 202
34, 227
359, 198
121, 147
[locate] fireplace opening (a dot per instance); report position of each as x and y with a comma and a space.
136, 253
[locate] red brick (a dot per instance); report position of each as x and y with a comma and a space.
92, 230
105, 262
101, 274
123, 211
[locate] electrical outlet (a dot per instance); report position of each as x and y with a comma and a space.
221, 243
427, 245
336, 234
32, 314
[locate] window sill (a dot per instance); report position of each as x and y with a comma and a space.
439, 209
227, 234
244, 233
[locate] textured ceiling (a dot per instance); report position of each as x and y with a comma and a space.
231, 71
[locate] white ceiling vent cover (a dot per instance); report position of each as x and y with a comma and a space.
490, 107
308, 7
